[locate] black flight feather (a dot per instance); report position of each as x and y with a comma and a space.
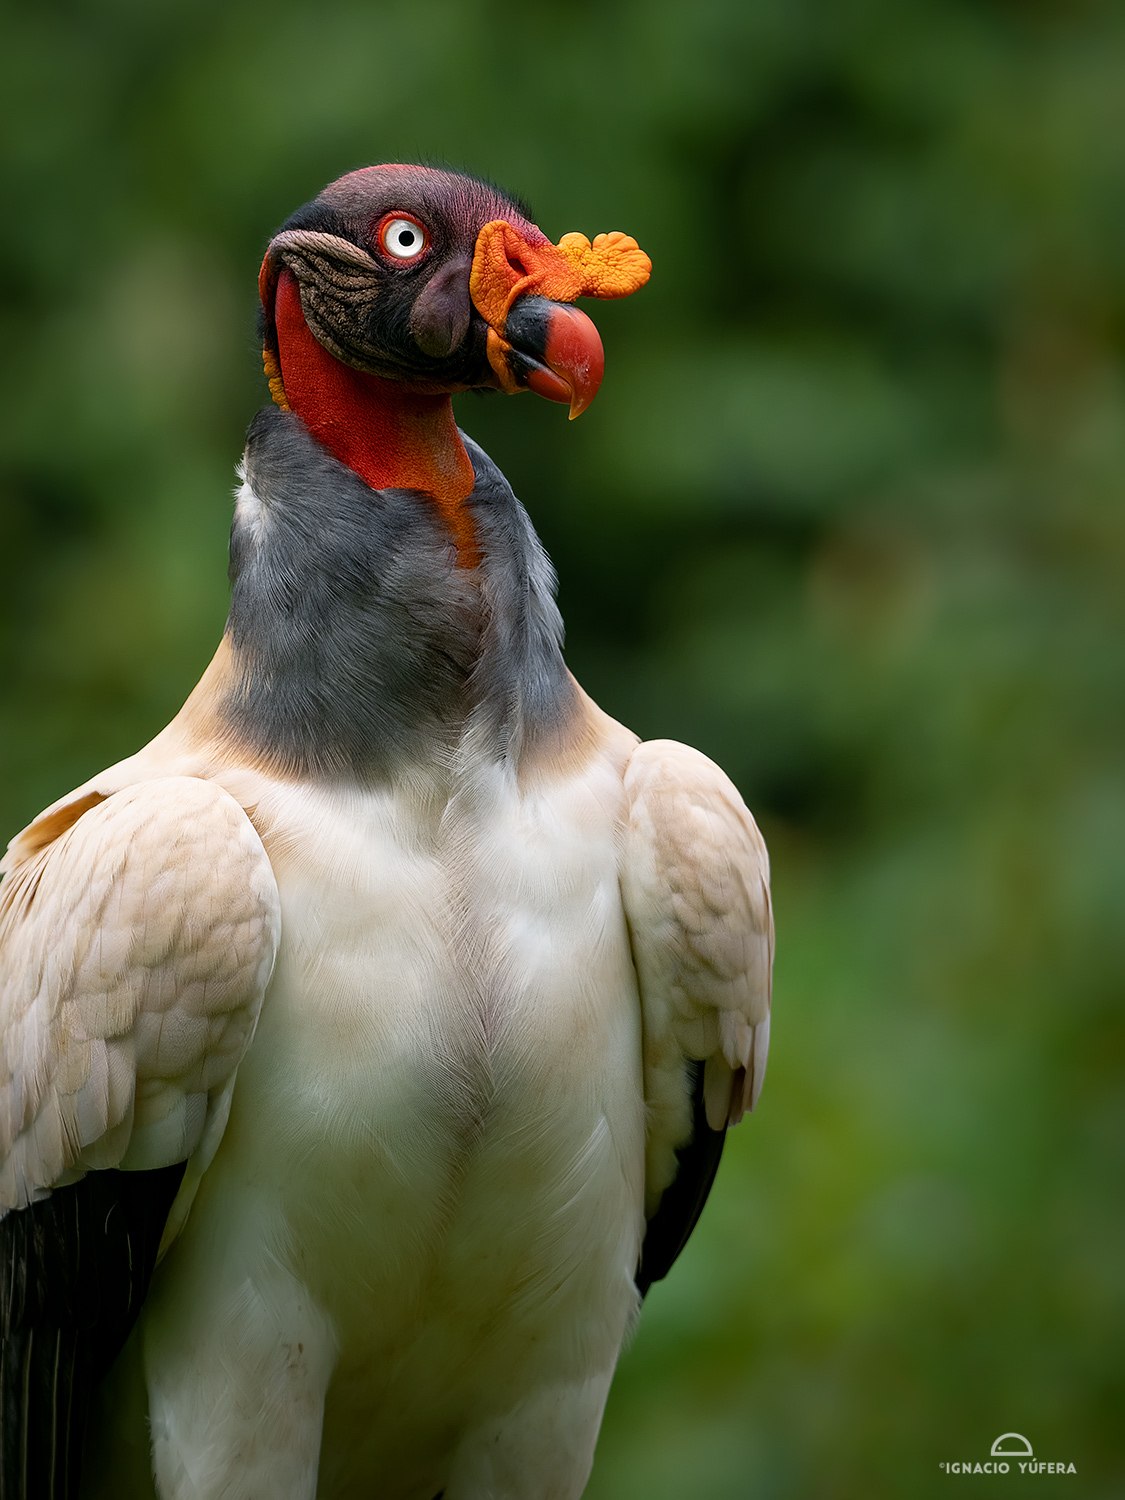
671, 1225
74, 1271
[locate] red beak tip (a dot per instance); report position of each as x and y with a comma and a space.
574, 351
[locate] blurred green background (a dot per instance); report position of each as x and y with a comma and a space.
847, 514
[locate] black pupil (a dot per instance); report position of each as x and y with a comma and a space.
406, 238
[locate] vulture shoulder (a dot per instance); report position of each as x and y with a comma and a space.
138, 933
695, 888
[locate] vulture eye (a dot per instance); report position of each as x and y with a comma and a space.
402, 238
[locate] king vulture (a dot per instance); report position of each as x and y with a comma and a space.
367, 1040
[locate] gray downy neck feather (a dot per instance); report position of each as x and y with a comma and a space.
361, 648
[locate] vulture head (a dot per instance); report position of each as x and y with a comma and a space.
400, 285
438, 282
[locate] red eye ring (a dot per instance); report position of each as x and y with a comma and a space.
393, 238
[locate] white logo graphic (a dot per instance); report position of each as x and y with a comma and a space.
1011, 1453
1012, 1445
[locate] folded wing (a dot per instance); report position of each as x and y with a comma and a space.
695, 884
138, 932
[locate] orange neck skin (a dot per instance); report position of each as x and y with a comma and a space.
391, 438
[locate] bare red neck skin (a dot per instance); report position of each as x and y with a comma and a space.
391, 438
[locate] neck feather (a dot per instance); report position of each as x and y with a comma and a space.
357, 648
392, 438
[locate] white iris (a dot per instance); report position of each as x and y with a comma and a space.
403, 239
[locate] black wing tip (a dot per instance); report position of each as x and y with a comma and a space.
678, 1213
75, 1268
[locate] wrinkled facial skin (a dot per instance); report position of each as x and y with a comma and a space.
411, 320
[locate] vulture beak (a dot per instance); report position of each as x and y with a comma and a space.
522, 287
552, 349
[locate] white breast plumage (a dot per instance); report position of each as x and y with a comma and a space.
444, 1094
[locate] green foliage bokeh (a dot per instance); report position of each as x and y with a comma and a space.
847, 514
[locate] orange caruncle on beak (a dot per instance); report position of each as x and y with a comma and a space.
516, 286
